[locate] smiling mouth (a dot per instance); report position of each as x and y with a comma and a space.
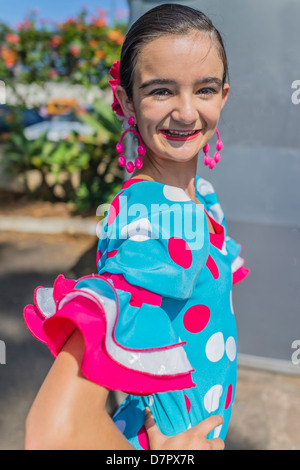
180, 135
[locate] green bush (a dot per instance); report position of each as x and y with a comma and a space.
80, 50
80, 169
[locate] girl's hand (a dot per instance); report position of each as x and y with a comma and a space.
192, 439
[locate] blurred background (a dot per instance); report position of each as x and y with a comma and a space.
58, 163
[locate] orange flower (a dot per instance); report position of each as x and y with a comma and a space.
120, 40
93, 43
99, 22
114, 34
99, 54
9, 56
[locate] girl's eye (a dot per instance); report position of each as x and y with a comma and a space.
207, 91
160, 92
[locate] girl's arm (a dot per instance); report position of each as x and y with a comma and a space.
69, 410
69, 413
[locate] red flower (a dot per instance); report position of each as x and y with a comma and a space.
115, 74
12, 38
56, 40
75, 50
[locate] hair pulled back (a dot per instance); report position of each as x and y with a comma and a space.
164, 20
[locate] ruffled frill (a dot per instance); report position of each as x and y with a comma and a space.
239, 271
91, 305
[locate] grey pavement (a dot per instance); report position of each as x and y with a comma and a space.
266, 413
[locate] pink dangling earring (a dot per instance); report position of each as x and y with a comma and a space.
211, 161
141, 149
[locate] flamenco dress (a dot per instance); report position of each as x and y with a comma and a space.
157, 319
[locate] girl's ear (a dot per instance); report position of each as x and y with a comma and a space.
225, 93
125, 102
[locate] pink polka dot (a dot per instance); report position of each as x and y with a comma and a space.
112, 253
188, 403
210, 263
228, 397
114, 209
180, 252
143, 438
99, 254
196, 318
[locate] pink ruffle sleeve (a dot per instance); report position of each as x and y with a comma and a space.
91, 305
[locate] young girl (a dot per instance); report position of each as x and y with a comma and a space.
157, 320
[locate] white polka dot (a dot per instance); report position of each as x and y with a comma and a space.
190, 426
121, 425
223, 249
139, 230
231, 348
217, 431
212, 398
216, 212
151, 400
204, 187
231, 303
175, 194
215, 347
237, 263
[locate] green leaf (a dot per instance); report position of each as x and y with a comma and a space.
37, 162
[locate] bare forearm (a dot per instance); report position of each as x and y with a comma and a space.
69, 410
104, 437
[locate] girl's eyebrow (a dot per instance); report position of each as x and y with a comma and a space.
210, 80
158, 81
165, 81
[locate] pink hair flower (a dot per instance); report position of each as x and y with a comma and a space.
115, 74
115, 71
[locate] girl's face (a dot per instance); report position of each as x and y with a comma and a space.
177, 95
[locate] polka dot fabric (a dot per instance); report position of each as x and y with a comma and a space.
194, 277
158, 318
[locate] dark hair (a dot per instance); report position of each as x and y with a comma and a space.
167, 19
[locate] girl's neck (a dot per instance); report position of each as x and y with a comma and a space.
179, 174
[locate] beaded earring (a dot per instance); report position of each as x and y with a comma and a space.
211, 161
141, 149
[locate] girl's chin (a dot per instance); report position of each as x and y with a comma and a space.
179, 157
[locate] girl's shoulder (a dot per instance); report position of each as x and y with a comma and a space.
207, 195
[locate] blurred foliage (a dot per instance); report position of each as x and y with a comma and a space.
80, 50
78, 169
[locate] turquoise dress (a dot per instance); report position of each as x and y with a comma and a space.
157, 318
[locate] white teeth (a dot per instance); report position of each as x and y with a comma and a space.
180, 133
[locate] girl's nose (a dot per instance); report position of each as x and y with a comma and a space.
185, 110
